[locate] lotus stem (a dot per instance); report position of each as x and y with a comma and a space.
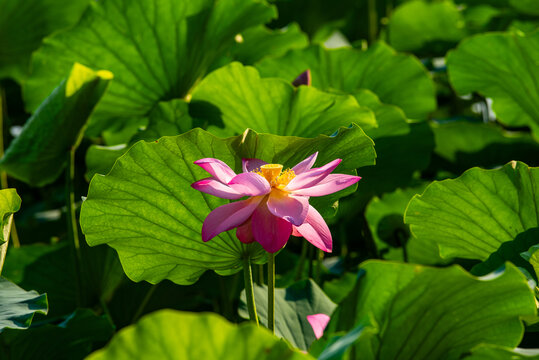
271, 292
249, 291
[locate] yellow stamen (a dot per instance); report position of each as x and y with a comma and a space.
275, 176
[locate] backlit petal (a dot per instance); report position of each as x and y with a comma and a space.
250, 184
318, 323
217, 169
244, 232
270, 231
249, 165
312, 177
315, 230
332, 183
228, 216
305, 165
288, 207
214, 187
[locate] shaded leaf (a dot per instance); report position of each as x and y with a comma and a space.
156, 50
471, 216
396, 79
493, 352
292, 305
511, 81
431, 313
146, 210
73, 338
175, 334
17, 306
38, 18
38, 155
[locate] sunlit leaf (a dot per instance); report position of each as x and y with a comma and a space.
156, 50
274, 105
182, 335
422, 312
511, 80
396, 79
17, 306
416, 24
471, 216
38, 155
493, 352
146, 209
292, 304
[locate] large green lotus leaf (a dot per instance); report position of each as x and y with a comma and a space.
461, 145
471, 216
434, 313
292, 305
73, 338
274, 105
146, 209
417, 23
414, 142
24, 24
99, 159
494, 352
525, 6
18, 306
10, 202
396, 79
49, 268
182, 335
156, 50
385, 216
511, 251
511, 81
38, 155
259, 42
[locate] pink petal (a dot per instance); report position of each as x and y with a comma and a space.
305, 165
214, 187
318, 323
244, 232
270, 231
250, 184
332, 183
217, 169
315, 230
312, 177
228, 216
288, 207
249, 165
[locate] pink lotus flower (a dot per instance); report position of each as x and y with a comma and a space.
278, 203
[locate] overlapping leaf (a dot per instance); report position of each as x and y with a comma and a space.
38, 155
420, 312
416, 24
493, 352
396, 79
274, 106
146, 209
24, 24
182, 335
294, 304
17, 306
471, 216
156, 50
10, 202
512, 80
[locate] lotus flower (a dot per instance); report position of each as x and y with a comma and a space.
318, 323
278, 201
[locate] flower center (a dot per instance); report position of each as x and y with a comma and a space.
275, 176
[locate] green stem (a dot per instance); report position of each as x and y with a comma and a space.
271, 292
373, 20
72, 228
301, 264
143, 303
319, 266
249, 291
260, 278
3, 174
